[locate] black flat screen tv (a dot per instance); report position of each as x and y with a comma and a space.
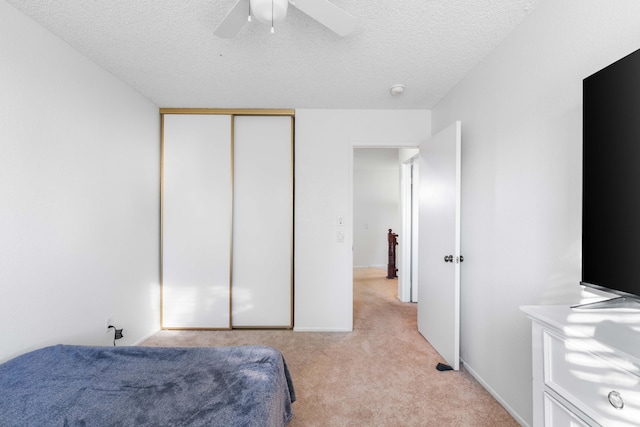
611, 181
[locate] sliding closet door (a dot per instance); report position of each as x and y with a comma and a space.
196, 221
263, 222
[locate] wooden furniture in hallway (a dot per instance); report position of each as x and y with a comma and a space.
392, 239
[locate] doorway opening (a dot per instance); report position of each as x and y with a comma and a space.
383, 193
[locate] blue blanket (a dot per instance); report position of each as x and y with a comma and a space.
146, 386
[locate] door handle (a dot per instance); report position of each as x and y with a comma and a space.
448, 258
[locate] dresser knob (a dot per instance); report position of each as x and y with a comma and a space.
616, 400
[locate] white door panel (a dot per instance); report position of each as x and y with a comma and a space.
415, 230
262, 224
408, 275
196, 222
439, 281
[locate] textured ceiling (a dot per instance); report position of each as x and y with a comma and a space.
167, 51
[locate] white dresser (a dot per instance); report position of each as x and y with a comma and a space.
586, 366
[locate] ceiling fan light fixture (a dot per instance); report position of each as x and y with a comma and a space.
269, 11
396, 89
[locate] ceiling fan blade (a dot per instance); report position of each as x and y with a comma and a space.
233, 22
328, 14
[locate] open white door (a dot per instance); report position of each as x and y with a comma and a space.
409, 199
439, 243
415, 228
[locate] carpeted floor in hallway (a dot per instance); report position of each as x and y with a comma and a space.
381, 374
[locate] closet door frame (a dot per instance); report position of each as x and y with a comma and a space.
230, 112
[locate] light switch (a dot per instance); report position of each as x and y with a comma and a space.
340, 221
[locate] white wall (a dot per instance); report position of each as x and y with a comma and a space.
521, 113
79, 196
323, 183
376, 204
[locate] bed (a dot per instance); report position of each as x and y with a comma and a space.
146, 386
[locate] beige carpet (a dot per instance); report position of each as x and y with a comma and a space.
381, 374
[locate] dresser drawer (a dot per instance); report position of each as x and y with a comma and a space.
603, 390
557, 415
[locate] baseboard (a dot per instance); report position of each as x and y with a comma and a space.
146, 337
495, 395
313, 329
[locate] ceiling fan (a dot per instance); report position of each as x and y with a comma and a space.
271, 12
